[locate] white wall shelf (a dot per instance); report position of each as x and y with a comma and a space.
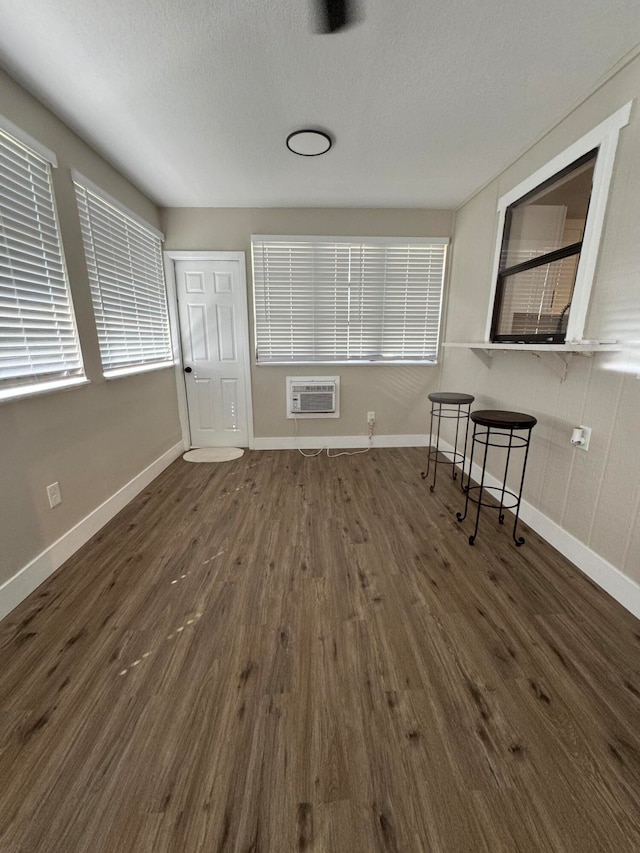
557, 356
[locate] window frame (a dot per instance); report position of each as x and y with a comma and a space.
349, 240
34, 383
83, 185
570, 250
604, 138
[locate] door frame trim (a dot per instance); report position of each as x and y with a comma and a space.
170, 257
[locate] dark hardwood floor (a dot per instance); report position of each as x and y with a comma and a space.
287, 654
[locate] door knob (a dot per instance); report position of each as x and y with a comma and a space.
188, 370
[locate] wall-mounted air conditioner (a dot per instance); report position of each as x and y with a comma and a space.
313, 396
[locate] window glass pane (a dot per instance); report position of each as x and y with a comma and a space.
537, 301
551, 218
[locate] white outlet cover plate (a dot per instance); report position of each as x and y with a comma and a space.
586, 431
54, 495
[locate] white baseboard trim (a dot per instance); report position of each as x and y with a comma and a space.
619, 586
315, 442
23, 583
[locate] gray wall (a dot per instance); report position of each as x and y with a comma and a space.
596, 495
91, 439
397, 394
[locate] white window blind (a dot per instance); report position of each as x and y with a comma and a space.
347, 299
38, 338
124, 261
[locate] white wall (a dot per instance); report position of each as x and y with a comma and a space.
593, 496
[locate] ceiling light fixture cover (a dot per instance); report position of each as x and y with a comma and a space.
308, 143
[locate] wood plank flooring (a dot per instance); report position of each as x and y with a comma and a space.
287, 654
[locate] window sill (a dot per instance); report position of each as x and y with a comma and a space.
559, 353
583, 346
363, 363
25, 391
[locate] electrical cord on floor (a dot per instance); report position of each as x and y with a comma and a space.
326, 449
308, 455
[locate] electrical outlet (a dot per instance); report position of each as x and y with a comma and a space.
54, 494
586, 432
371, 417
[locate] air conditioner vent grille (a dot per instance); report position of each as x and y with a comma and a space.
309, 397
313, 402
302, 389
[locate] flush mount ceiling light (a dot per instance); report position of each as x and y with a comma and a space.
308, 143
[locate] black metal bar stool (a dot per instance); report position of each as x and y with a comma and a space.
501, 429
448, 404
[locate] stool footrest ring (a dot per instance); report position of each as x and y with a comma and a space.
493, 504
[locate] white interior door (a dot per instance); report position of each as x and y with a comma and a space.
212, 308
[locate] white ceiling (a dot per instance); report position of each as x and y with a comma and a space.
193, 100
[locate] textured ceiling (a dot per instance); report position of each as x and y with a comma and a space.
194, 100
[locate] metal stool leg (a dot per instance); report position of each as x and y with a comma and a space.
437, 450
464, 458
462, 515
454, 473
504, 479
430, 436
425, 474
472, 538
519, 540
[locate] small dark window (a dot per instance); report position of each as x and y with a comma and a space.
541, 247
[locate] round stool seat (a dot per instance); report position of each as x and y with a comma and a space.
451, 398
503, 420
